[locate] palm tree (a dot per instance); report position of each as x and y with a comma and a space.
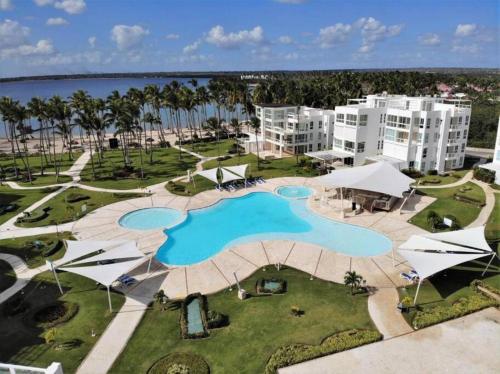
353, 280
6, 109
236, 127
19, 115
255, 126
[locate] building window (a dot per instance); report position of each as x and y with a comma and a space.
340, 117
426, 138
422, 166
465, 134
363, 119
337, 142
311, 125
463, 147
310, 147
351, 119
319, 146
390, 134
381, 118
320, 124
424, 153
349, 146
428, 124
466, 120
361, 147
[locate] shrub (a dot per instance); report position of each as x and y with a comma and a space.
433, 219
51, 248
55, 314
216, 319
432, 172
31, 217
484, 175
431, 181
467, 199
412, 173
296, 353
50, 336
75, 197
476, 283
195, 364
461, 307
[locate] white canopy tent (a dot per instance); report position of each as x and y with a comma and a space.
429, 254
240, 170
124, 256
210, 174
378, 177
227, 176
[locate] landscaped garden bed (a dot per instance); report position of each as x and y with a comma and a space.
54, 314
258, 325
180, 363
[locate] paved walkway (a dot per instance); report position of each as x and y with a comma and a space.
465, 345
23, 275
486, 211
385, 315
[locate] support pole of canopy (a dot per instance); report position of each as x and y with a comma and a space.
393, 263
51, 266
341, 203
416, 294
109, 301
149, 264
489, 263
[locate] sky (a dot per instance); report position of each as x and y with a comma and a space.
39, 37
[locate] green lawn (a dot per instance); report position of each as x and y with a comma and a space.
452, 177
258, 326
45, 180
22, 340
24, 248
166, 165
280, 167
22, 198
60, 211
448, 286
188, 189
63, 161
7, 276
211, 149
445, 204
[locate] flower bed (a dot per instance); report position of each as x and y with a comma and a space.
467, 199
195, 364
297, 353
262, 286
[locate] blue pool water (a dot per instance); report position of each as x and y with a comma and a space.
150, 218
262, 216
294, 192
195, 325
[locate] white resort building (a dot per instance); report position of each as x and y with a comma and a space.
294, 130
424, 133
495, 164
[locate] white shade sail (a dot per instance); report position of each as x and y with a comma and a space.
126, 250
470, 238
429, 263
227, 176
423, 243
378, 177
105, 274
79, 248
210, 174
238, 169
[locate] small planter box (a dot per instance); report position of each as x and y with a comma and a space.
270, 286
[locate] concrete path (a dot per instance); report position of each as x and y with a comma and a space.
486, 211
23, 275
464, 345
383, 312
117, 334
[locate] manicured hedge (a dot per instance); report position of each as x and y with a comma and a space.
467, 199
261, 289
461, 307
479, 283
184, 316
68, 311
195, 363
216, 319
297, 353
51, 248
484, 175
34, 216
75, 197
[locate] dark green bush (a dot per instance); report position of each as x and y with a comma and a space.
431, 181
461, 307
484, 175
75, 197
216, 319
479, 283
54, 314
51, 248
296, 353
412, 173
467, 199
195, 363
34, 216
432, 172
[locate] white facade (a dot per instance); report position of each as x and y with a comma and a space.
294, 130
425, 133
495, 165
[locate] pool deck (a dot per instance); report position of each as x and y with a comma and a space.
216, 273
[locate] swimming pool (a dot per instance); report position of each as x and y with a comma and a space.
262, 216
150, 218
294, 192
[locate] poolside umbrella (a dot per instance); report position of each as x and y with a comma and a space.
228, 176
238, 170
210, 174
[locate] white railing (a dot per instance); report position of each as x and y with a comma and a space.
54, 368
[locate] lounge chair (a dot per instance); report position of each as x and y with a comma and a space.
406, 277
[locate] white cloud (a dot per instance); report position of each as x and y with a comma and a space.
465, 48
429, 39
373, 31
172, 36
291, 56
43, 2
336, 34
42, 47
13, 34
88, 57
58, 21
285, 39
92, 40
128, 37
218, 37
465, 29
6, 5
71, 6
191, 48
